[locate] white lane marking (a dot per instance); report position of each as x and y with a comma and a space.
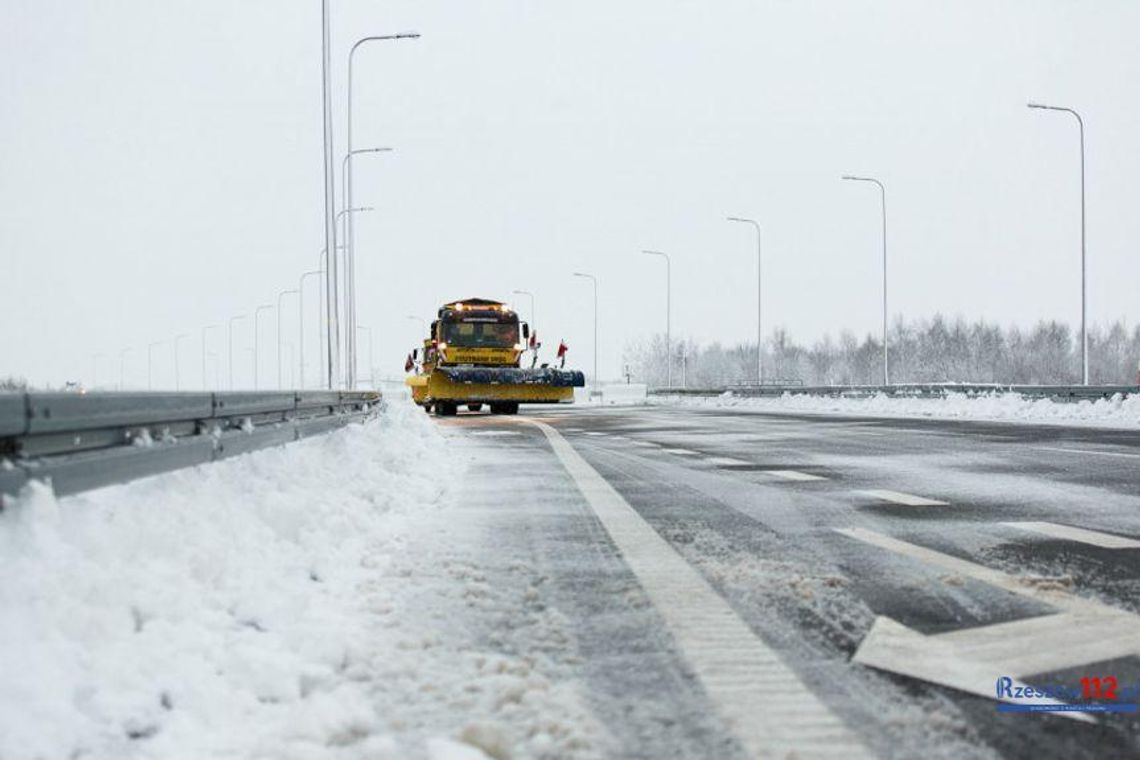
761, 699
1089, 451
495, 432
1025, 586
682, 452
593, 432
970, 659
644, 443
906, 499
1069, 533
725, 461
795, 475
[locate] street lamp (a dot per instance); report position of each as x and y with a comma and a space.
177, 377
371, 363
230, 346
348, 197
95, 370
759, 310
280, 295
301, 320
533, 321
150, 362
334, 275
668, 316
883, 206
123, 367
333, 359
420, 323
256, 355
205, 381
350, 257
1084, 299
594, 280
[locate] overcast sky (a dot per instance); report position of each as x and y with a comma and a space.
161, 168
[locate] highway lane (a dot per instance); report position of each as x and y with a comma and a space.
816, 529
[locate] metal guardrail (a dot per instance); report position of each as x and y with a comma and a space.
910, 390
84, 441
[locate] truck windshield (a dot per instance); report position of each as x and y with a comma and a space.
484, 334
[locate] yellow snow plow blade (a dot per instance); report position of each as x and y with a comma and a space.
468, 386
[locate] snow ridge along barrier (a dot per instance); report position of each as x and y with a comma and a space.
84, 441
909, 390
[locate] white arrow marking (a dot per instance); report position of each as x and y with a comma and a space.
1086, 631
895, 648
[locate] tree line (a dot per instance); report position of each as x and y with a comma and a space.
921, 351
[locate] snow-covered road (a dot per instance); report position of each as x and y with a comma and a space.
651, 582
329, 598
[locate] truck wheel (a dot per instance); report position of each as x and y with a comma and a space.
427, 408
474, 407
511, 407
445, 409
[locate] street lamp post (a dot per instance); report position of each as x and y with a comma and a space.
1084, 292
95, 370
371, 364
280, 295
420, 323
343, 246
883, 207
230, 346
350, 262
533, 319
335, 274
205, 381
759, 291
150, 363
348, 197
123, 367
333, 356
594, 280
668, 316
177, 375
301, 321
322, 327
256, 342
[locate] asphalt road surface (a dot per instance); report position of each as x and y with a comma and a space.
742, 584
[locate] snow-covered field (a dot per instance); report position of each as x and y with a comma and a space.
282, 604
1006, 407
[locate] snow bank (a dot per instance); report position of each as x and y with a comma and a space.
213, 611
1116, 412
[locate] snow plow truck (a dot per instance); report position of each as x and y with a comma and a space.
472, 357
